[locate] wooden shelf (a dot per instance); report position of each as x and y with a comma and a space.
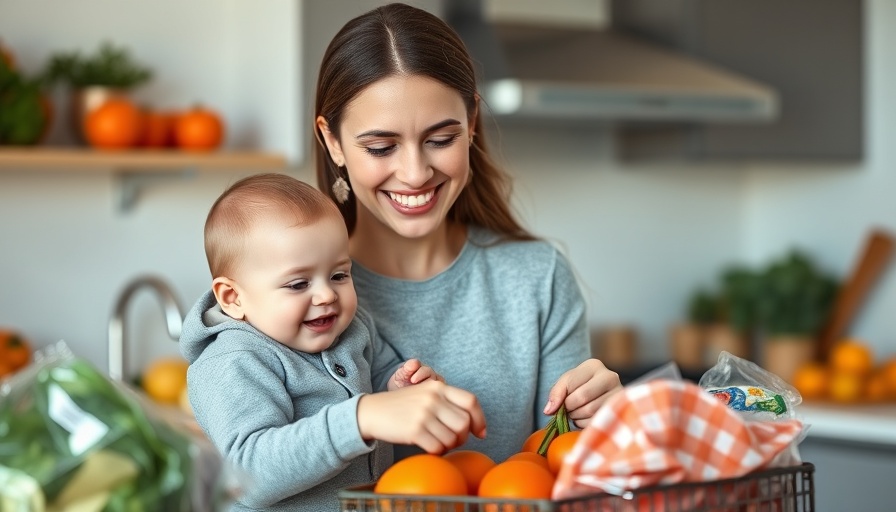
135, 160
137, 169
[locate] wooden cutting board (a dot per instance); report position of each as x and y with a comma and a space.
869, 267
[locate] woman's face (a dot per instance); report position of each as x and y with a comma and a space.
404, 141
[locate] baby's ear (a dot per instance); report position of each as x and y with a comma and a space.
227, 294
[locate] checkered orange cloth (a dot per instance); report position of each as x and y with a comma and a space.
666, 432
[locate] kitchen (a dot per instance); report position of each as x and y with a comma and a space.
641, 235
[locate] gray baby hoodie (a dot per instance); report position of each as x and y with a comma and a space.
287, 419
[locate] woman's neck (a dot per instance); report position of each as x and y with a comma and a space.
383, 251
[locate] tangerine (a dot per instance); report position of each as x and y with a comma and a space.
888, 369
516, 479
851, 356
560, 447
876, 389
115, 124
424, 474
165, 379
811, 380
199, 129
533, 441
474, 465
531, 457
846, 387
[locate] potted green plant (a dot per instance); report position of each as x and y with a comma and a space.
92, 79
24, 110
735, 312
687, 339
793, 301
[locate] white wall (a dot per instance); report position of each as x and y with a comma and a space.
642, 238
829, 210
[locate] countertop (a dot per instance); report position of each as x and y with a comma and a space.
857, 423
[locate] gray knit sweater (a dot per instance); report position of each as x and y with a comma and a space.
504, 321
286, 418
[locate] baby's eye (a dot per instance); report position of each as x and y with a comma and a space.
341, 276
298, 285
379, 151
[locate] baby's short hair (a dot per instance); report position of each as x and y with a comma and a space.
233, 214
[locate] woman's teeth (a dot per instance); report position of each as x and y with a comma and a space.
418, 200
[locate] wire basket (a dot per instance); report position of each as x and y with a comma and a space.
789, 489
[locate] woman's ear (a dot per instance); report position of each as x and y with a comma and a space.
228, 297
331, 141
474, 116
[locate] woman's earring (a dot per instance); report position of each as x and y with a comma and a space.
341, 190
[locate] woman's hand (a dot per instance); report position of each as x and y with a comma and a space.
583, 389
432, 415
412, 372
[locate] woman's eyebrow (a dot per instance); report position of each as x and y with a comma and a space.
386, 133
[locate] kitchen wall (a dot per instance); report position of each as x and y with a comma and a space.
642, 237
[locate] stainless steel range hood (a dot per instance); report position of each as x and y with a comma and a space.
541, 69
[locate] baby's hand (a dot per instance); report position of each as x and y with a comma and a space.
412, 372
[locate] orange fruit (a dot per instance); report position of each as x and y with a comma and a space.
876, 389
888, 369
533, 441
165, 379
474, 465
811, 380
199, 129
116, 124
516, 479
158, 129
423, 474
851, 356
531, 457
560, 447
846, 387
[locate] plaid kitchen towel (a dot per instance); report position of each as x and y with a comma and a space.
666, 432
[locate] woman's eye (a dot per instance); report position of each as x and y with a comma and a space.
298, 285
379, 151
341, 276
444, 141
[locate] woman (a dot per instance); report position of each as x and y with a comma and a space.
448, 273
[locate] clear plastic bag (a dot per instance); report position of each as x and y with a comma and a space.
751, 390
72, 438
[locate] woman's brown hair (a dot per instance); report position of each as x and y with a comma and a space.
398, 39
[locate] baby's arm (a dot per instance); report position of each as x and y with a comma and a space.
412, 372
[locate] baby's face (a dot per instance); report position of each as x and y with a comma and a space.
295, 282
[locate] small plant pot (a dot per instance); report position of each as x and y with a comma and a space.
686, 344
721, 337
85, 100
783, 355
616, 347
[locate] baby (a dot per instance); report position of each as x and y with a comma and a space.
281, 358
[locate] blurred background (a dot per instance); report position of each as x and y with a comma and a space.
732, 138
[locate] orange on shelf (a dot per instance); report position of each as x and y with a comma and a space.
888, 370
199, 129
846, 387
158, 129
851, 356
116, 124
811, 380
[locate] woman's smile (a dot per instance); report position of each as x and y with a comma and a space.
413, 203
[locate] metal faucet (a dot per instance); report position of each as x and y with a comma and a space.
170, 306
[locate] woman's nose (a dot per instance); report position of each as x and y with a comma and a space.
414, 169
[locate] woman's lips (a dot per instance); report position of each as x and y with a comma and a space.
413, 204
